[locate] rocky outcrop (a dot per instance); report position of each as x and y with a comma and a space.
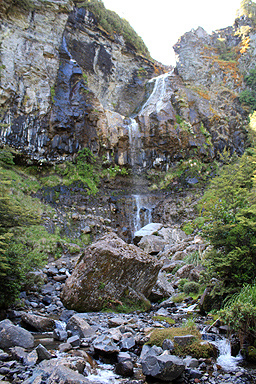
59, 75
67, 84
110, 272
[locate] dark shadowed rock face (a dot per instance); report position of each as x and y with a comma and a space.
110, 271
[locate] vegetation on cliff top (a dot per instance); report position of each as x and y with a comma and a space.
114, 24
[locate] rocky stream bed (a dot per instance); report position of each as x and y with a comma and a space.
43, 342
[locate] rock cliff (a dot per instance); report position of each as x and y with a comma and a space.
60, 73
67, 84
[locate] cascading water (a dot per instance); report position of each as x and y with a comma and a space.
159, 96
225, 359
135, 144
137, 159
143, 213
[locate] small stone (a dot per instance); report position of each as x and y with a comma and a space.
65, 347
59, 334
168, 345
115, 321
123, 356
184, 340
74, 341
42, 353
127, 343
124, 368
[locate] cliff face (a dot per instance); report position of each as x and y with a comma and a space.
67, 84
59, 74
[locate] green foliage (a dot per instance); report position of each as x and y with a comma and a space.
248, 8
168, 320
195, 349
82, 169
226, 53
248, 96
6, 157
113, 24
191, 287
240, 312
112, 171
187, 169
228, 208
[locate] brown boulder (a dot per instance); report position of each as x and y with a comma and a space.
110, 272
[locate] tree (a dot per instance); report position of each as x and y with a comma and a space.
229, 211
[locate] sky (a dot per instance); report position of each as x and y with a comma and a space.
160, 23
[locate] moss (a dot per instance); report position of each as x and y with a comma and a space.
197, 348
168, 320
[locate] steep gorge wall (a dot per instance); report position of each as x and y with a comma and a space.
59, 75
67, 84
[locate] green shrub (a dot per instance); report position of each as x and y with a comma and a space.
240, 313
248, 96
229, 211
112, 23
191, 287
82, 169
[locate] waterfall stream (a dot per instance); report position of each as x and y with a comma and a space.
135, 144
225, 359
143, 211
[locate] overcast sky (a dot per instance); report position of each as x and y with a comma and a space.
161, 22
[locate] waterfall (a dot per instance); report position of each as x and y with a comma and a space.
143, 211
135, 144
159, 96
225, 359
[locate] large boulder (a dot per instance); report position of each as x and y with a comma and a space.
110, 271
12, 335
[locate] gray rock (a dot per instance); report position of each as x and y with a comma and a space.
79, 326
125, 368
151, 244
150, 351
191, 362
12, 335
162, 288
60, 334
42, 353
3, 355
105, 345
65, 347
122, 356
164, 367
109, 272
184, 340
127, 343
74, 341
149, 229
40, 323
168, 345
115, 321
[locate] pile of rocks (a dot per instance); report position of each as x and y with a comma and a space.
74, 351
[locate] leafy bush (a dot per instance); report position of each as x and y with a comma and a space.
191, 287
248, 96
229, 210
240, 313
81, 169
112, 23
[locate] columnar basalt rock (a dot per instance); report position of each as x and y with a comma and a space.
66, 84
